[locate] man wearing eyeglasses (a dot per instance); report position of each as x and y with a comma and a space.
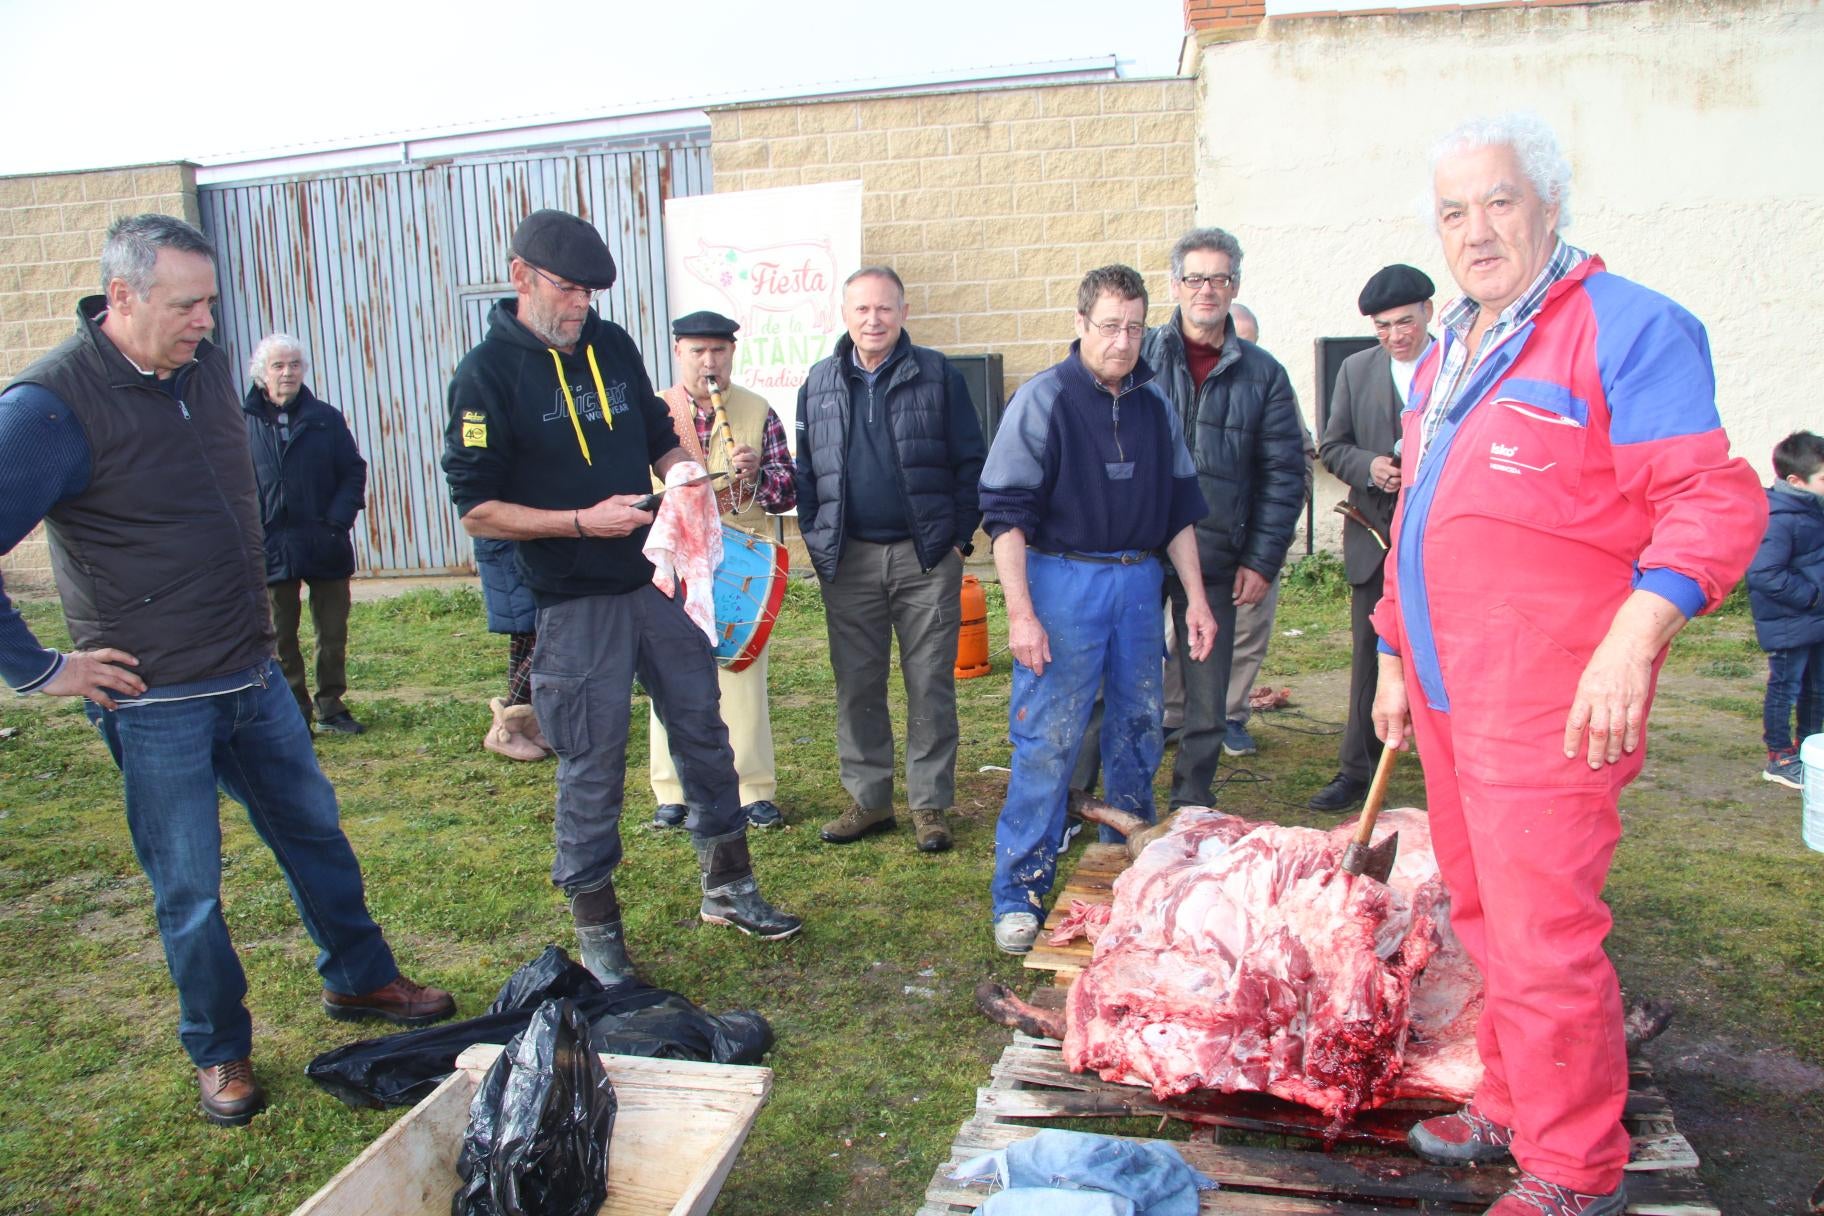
1087, 481
1360, 434
553, 434
1240, 416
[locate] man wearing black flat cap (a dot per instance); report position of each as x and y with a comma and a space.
554, 433
755, 454
1358, 447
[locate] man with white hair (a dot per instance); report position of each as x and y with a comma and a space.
312, 484
1568, 503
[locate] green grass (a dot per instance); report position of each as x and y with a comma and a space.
879, 1048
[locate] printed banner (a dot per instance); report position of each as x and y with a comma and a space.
774, 260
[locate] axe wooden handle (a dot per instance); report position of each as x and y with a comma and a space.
1377, 792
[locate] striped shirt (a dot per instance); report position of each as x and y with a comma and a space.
1460, 361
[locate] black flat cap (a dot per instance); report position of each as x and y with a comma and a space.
566, 246
704, 324
1393, 286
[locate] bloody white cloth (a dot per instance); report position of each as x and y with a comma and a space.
685, 544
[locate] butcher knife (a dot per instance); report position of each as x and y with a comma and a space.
1358, 858
652, 500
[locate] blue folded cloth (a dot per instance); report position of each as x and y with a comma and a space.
1058, 1173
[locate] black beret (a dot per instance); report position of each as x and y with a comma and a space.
566, 246
704, 324
1393, 286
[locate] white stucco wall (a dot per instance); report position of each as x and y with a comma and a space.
1694, 135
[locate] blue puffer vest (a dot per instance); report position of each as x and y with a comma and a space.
918, 410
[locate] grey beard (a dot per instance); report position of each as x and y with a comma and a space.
539, 332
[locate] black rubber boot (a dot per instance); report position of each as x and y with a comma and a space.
731, 894
597, 915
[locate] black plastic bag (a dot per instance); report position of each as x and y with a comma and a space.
628, 1019
539, 1125
549, 976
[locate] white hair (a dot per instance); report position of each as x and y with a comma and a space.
269, 346
1535, 146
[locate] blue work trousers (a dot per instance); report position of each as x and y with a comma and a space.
1106, 632
254, 744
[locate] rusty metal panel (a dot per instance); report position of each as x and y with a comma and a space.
387, 276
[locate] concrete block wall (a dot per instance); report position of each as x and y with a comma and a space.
990, 204
51, 230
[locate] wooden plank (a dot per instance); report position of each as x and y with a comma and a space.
1082, 1095
678, 1128
946, 1196
411, 1169
1091, 882
1366, 1176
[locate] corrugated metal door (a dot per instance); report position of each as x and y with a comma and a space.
387, 276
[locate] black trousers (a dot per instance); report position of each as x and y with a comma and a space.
1361, 750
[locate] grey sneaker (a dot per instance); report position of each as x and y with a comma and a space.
1236, 741
670, 815
1534, 1196
1465, 1136
1014, 932
1784, 768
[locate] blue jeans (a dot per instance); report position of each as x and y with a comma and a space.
1794, 677
254, 744
1105, 631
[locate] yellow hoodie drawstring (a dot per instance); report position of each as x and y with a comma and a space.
601, 395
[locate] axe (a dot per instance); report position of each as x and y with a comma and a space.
1358, 858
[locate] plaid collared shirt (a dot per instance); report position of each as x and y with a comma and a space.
777, 491
1460, 361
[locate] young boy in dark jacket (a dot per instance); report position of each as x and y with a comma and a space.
1786, 592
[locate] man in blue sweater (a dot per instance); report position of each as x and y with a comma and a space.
128, 442
1088, 479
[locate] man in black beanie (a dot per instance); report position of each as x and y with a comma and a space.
554, 432
1358, 447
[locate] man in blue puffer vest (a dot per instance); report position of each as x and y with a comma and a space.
889, 452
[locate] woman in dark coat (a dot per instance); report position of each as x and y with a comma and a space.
313, 483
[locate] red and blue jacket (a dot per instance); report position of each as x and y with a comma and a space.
1583, 459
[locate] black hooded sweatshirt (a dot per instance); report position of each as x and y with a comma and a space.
511, 437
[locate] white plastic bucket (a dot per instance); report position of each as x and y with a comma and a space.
1811, 755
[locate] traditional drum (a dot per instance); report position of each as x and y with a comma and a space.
750, 585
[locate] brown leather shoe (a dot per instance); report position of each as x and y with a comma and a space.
401, 1002
231, 1097
933, 833
857, 822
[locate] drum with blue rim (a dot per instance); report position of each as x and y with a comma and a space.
750, 586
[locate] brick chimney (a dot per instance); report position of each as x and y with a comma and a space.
1210, 16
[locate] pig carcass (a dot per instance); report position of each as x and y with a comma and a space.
1239, 956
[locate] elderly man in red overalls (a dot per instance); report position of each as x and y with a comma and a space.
1570, 503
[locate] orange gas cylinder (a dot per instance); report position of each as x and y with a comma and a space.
972, 638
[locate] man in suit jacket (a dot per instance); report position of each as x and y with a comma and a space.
1360, 438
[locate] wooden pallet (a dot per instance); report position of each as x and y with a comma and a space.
1372, 1172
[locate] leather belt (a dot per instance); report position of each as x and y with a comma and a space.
1129, 558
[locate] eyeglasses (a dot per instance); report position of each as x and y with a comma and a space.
568, 289
1402, 325
1114, 329
1197, 282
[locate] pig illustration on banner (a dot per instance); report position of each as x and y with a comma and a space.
794, 281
